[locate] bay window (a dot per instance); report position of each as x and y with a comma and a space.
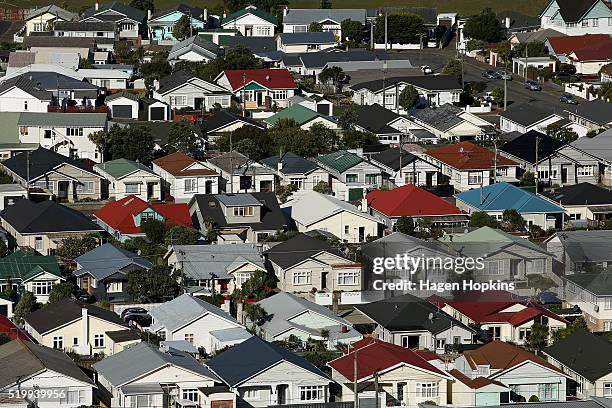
427, 390
348, 278
312, 393
301, 278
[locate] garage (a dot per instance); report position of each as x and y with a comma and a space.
122, 111
158, 113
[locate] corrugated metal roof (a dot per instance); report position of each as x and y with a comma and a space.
94, 120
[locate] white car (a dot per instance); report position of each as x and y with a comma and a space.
426, 69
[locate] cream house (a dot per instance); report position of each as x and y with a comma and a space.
127, 177
43, 19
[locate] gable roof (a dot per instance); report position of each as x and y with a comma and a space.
291, 163
594, 52
224, 118
398, 242
253, 356
468, 156
572, 11
474, 383
581, 194
300, 114
28, 217
410, 201
269, 78
142, 358
177, 164
428, 82
442, 118
24, 359
195, 43
597, 111
26, 265
599, 284
41, 161
307, 16
55, 10
564, 45
321, 58
539, 35
524, 146
527, 114
122, 94
250, 10
106, 260
340, 160
374, 118
129, 11
502, 196
299, 248
585, 353
586, 245
503, 356
26, 85
120, 168
309, 37
491, 235
195, 12
54, 315
599, 145
391, 158
179, 78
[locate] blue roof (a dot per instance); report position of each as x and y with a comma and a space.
503, 196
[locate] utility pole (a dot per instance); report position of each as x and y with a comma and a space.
243, 95
376, 389
355, 391
506, 85
535, 173
495, 160
525, 69
400, 157
190, 25
384, 80
386, 42
28, 174
372, 35
396, 99
231, 153
182, 258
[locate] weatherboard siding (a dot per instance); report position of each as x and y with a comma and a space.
254, 24
17, 100
529, 376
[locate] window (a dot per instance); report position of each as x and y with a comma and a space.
548, 392
457, 177
42, 288
98, 340
524, 333
440, 343
190, 394
585, 171
58, 342
300, 29
585, 23
536, 265
607, 387
74, 398
191, 185
75, 341
348, 278
595, 22
312, 392
301, 278
44, 185
371, 178
161, 334
243, 211
142, 401
242, 277
346, 230
25, 105
351, 178
263, 31
86, 187
279, 95
483, 370
250, 393
427, 390
223, 100
494, 333
23, 130
114, 287
74, 131
311, 47
178, 100
474, 178
132, 188
189, 338
607, 303
610, 21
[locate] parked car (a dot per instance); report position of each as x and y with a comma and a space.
569, 68
568, 98
562, 76
132, 313
140, 321
85, 297
504, 75
490, 74
532, 85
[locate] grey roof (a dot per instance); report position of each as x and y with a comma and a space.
254, 356
583, 246
582, 194
307, 16
233, 334
374, 118
195, 12
23, 359
143, 358
20, 59
299, 248
182, 310
540, 35
65, 42
174, 80
391, 158
130, 12
398, 242
599, 146
223, 118
291, 164
55, 10
200, 261
108, 259
59, 119
123, 94
321, 58
196, 44
309, 207
26, 85
50, 81
41, 162
84, 26
599, 283
325, 37
254, 44
428, 82
527, 114
596, 111
238, 200
442, 118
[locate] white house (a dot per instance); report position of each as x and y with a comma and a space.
43, 19
526, 117
591, 17
126, 177
94, 29
124, 105
299, 20
183, 89
305, 42
129, 21
106, 78
251, 22
19, 94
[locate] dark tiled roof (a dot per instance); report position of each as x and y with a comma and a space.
130, 12
391, 158
291, 164
41, 161
196, 12
596, 111
324, 37
319, 59
298, 249
254, 44
429, 82
524, 146
223, 118
527, 114
442, 118
70, 42
573, 10
26, 85
374, 118
581, 194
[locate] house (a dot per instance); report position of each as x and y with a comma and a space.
161, 25
404, 321
303, 117
27, 366
388, 126
153, 110
449, 122
434, 90
42, 226
54, 174
310, 211
124, 105
196, 321
479, 391
405, 376
350, 174
303, 262
184, 177
594, 115
296, 170
525, 117
19, 94
581, 251
495, 198
129, 178
584, 203
83, 46
525, 37
194, 49
558, 163
183, 89
65, 133
129, 21
251, 22
241, 174
94, 29
272, 375
144, 375
352, 60
524, 373
503, 318
587, 359
414, 202
298, 20
223, 122
29, 271
291, 43
218, 268
123, 218
466, 165
79, 327
108, 79
505, 257
562, 46
313, 102
68, 84
592, 293
259, 88
43, 19
586, 17
103, 272
598, 146
401, 167
250, 216
589, 60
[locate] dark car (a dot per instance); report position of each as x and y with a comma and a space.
562, 76
139, 320
569, 68
567, 98
532, 85
490, 74
131, 312
85, 297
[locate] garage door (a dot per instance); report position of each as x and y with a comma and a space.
157, 113
122, 111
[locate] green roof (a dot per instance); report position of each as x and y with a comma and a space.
122, 167
300, 114
597, 283
340, 161
62, 119
250, 10
26, 265
488, 234
10, 128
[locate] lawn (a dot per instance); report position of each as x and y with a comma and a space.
463, 7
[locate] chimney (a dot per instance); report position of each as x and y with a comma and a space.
85, 331
156, 84
364, 202
508, 22
285, 11
224, 14
97, 6
205, 15
279, 165
239, 312
149, 14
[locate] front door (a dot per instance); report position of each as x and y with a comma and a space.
361, 234
323, 280
62, 190
563, 174
150, 190
281, 391
198, 103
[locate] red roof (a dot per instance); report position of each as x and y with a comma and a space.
268, 78
7, 327
119, 215
567, 44
376, 355
410, 201
601, 51
468, 156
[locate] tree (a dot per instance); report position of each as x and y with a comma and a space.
534, 398
256, 286
180, 235
101, 139
155, 231
331, 74
329, 139
73, 247
26, 305
605, 91
315, 27
122, 50
283, 192
150, 286
132, 143
477, 87
409, 97
182, 138
61, 291
402, 28
498, 96
182, 28
255, 313
405, 225
84, 63
528, 179
453, 67
322, 187
534, 49
484, 27
348, 118
354, 139
513, 220
144, 5
578, 324
564, 134
352, 31
482, 219
259, 149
